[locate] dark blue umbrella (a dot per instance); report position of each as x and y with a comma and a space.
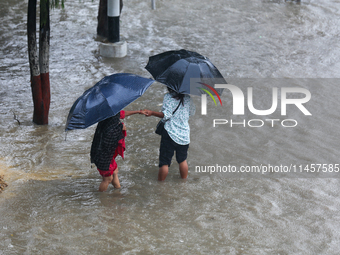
184, 71
106, 99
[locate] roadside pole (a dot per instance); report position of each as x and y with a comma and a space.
153, 4
114, 48
113, 15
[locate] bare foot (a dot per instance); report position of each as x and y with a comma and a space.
115, 181
105, 183
183, 169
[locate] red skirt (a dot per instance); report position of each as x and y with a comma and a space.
119, 151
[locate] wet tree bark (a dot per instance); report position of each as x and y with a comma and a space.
44, 57
102, 29
39, 66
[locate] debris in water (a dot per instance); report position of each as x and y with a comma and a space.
16, 118
3, 184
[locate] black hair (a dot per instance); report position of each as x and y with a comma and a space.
176, 95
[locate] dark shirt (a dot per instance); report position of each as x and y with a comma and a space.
105, 141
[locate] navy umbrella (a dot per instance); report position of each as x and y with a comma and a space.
184, 71
106, 99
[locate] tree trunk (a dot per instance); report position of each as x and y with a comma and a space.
39, 65
44, 57
102, 29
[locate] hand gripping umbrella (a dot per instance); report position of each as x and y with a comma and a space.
106, 99
185, 72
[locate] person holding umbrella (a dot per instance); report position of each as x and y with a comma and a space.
109, 142
176, 110
103, 104
177, 69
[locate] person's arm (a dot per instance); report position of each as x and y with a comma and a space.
166, 112
149, 113
128, 113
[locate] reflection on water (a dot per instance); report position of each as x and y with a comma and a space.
52, 203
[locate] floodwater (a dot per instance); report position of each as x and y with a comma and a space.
52, 205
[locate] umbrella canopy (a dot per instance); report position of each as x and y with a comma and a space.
106, 99
184, 71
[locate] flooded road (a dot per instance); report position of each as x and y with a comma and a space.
52, 205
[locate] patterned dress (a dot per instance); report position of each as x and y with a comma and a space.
178, 124
108, 141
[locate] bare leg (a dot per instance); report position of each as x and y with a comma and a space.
115, 180
183, 169
105, 183
163, 172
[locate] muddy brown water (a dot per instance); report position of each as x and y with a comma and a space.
52, 205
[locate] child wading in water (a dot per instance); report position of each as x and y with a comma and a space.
176, 136
108, 142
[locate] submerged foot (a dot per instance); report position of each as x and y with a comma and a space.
115, 181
